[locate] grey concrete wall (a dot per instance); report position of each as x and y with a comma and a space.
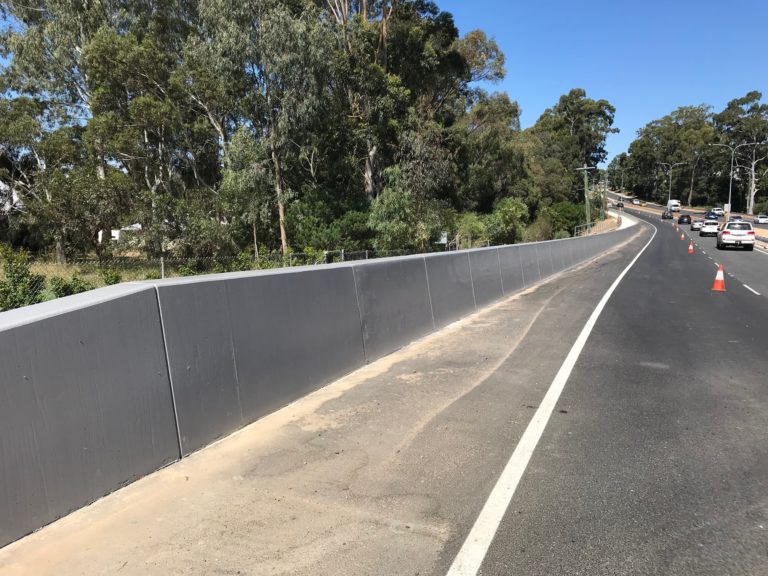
395, 304
243, 345
101, 388
486, 275
530, 264
450, 286
85, 403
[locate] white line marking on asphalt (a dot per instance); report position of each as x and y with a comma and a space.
473, 551
762, 251
751, 290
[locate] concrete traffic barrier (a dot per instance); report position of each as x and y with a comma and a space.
511, 269
450, 286
486, 275
530, 264
395, 306
85, 403
243, 345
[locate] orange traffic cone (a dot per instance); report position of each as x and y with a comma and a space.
690, 247
719, 285
682, 236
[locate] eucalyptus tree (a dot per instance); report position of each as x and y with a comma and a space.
744, 123
574, 132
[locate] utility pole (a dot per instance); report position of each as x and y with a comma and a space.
669, 168
585, 169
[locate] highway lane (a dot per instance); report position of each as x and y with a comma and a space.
659, 461
741, 266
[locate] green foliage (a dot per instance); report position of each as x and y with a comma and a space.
19, 286
110, 276
61, 287
270, 127
564, 216
472, 230
505, 225
541, 229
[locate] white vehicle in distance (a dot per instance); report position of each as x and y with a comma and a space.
718, 211
673, 205
736, 234
761, 219
696, 224
635, 201
709, 228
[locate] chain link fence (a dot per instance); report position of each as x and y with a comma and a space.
25, 281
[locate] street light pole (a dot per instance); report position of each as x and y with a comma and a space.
585, 169
669, 168
730, 181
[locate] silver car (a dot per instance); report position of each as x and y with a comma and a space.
709, 228
761, 219
696, 224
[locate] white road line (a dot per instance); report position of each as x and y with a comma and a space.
473, 551
751, 290
762, 251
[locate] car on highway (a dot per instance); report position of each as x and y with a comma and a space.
636, 201
710, 215
667, 215
736, 218
696, 224
761, 219
619, 204
719, 211
684, 219
709, 228
736, 234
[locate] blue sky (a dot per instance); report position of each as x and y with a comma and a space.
646, 57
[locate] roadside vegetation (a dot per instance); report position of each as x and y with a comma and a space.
694, 146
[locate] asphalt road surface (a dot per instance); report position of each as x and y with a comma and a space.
654, 459
662, 464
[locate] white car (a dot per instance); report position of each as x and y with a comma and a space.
736, 234
635, 202
718, 211
761, 219
709, 228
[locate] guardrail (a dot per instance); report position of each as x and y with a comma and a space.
101, 388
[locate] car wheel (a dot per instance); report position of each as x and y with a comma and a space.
749, 247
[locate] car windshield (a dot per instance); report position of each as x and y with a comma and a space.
710, 223
740, 226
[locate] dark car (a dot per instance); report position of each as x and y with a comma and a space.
667, 215
619, 204
710, 215
684, 219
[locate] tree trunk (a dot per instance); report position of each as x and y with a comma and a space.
370, 174
255, 245
280, 205
693, 176
61, 256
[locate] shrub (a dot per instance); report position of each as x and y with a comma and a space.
110, 276
19, 287
62, 287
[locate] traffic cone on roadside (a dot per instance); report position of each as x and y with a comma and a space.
719, 285
682, 236
690, 247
